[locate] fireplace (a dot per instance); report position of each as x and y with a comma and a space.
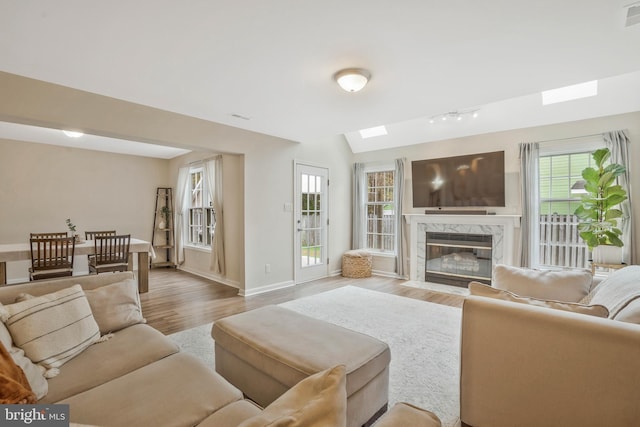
500, 228
458, 258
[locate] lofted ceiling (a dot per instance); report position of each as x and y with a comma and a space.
268, 66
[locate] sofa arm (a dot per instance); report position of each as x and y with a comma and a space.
532, 366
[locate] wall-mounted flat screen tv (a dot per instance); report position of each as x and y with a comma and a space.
463, 181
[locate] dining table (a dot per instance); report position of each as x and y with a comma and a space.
22, 251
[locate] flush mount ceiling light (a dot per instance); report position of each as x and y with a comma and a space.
456, 115
352, 79
72, 133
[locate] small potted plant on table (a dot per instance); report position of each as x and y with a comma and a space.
72, 229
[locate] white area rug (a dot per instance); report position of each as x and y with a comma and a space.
447, 289
423, 337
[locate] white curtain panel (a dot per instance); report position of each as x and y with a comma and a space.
213, 173
359, 194
529, 194
178, 218
618, 143
400, 225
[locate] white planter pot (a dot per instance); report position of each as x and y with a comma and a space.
606, 254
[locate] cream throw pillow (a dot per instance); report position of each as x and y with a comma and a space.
317, 401
618, 293
115, 306
563, 285
52, 328
483, 290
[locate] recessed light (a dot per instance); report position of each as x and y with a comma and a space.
569, 93
72, 133
371, 132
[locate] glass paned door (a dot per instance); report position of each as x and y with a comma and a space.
311, 256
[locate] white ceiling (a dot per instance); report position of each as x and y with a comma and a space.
273, 61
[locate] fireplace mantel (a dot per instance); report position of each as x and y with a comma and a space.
501, 227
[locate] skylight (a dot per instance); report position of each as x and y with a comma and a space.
569, 93
371, 132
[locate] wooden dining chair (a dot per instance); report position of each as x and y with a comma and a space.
90, 235
51, 257
48, 235
111, 253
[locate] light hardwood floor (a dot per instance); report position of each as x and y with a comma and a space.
177, 300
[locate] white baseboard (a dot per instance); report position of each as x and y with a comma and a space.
215, 278
266, 288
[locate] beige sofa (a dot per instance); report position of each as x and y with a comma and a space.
139, 377
525, 365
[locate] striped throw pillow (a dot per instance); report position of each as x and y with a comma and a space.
54, 328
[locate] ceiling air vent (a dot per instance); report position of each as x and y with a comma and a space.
633, 14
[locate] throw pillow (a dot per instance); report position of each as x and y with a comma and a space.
630, 313
317, 401
115, 306
618, 291
52, 328
14, 387
34, 373
480, 289
562, 285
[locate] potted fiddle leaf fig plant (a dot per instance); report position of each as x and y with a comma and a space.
599, 210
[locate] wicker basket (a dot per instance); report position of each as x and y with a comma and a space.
356, 264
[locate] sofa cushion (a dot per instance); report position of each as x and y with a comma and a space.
483, 290
178, 390
128, 350
404, 414
232, 414
619, 291
558, 285
317, 401
53, 328
116, 306
33, 372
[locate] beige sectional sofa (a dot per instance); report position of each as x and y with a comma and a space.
138, 377
527, 365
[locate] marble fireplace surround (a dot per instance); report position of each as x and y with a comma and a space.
502, 228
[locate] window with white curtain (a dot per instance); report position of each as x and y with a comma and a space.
380, 210
200, 213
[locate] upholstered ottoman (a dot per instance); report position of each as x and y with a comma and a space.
265, 352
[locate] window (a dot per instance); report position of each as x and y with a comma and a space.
560, 243
558, 173
201, 216
381, 213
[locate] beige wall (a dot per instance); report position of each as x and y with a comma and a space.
42, 185
508, 141
267, 235
198, 261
